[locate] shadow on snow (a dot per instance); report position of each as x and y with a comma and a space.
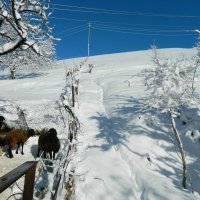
22, 76
122, 123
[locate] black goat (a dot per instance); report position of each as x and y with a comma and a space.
48, 142
2, 119
4, 126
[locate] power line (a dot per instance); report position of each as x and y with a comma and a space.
126, 30
147, 25
124, 13
73, 33
68, 19
130, 29
70, 29
141, 33
115, 12
138, 29
118, 23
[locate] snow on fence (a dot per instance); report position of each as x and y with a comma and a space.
58, 174
55, 179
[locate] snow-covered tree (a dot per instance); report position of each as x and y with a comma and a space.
170, 85
26, 41
22, 25
196, 59
28, 59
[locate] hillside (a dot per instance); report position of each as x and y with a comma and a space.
117, 135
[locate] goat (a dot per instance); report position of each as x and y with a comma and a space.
2, 140
49, 142
2, 143
4, 126
41, 131
19, 137
2, 119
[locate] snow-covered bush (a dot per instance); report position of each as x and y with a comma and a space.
169, 85
196, 62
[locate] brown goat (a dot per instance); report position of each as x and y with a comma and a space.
19, 137
2, 140
41, 131
48, 142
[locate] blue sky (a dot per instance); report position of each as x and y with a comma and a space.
123, 25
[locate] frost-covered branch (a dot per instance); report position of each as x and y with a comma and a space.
11, 46
23, 22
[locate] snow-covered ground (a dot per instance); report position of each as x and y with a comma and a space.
117, 134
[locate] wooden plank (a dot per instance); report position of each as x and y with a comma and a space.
29, 183
9, 178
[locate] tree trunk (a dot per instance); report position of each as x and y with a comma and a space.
13, 73
180, 146
73, 96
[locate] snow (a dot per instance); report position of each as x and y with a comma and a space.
5, 13
8, 46
18, 16
123, 151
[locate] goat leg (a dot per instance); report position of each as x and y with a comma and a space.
38, 152
22, 148
18, 145
50, 153
10, 152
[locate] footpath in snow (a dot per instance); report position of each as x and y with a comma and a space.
104, 170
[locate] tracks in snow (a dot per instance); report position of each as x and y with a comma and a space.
101, 141
116, 147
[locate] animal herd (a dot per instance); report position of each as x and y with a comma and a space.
48, 141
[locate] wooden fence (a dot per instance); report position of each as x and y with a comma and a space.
27, 168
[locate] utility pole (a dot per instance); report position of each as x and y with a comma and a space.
89, 29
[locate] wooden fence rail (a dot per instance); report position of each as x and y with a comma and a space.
27, 168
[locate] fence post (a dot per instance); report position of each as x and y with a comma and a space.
73, 96
28, 168
29, 183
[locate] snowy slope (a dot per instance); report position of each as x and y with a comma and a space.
117, 135
116, 139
